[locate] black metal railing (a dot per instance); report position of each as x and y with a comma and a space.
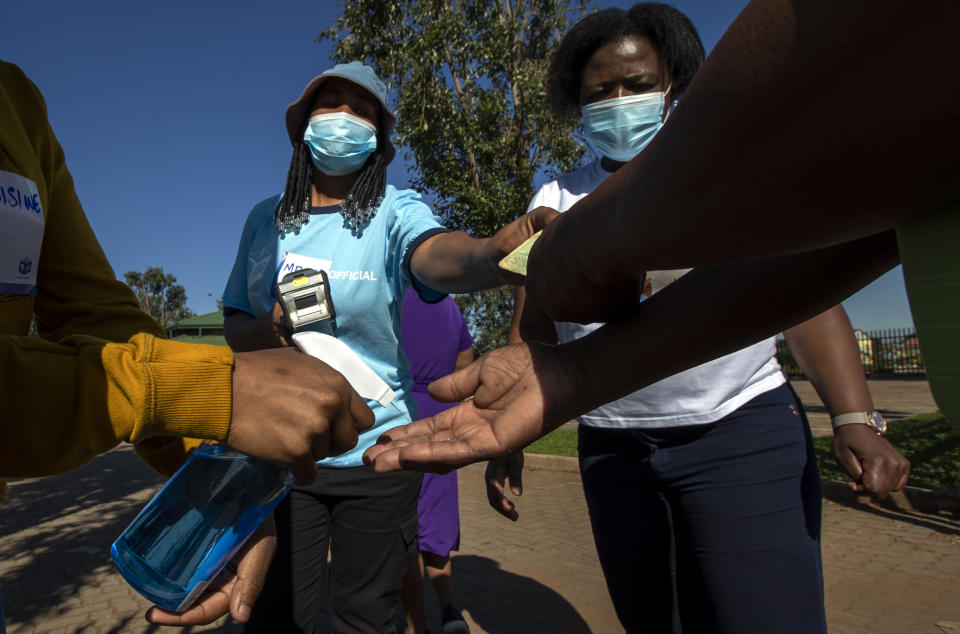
894, 351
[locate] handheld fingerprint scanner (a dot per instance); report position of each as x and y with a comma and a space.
304, 297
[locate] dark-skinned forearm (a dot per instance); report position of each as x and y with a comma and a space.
736, 305
513, 332
770, 152
455, 262
529, 323
826, 351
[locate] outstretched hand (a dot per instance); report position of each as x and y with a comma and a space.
874, 466
513, 235
236, 589
521, 392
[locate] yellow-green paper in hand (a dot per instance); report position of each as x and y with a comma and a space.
516, 260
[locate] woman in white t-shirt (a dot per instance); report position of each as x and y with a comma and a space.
703, 490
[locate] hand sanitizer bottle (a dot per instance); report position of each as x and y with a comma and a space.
195, 524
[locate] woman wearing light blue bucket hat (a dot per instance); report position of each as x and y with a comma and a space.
369, 241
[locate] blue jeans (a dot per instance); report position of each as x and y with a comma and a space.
3, 628
712, 528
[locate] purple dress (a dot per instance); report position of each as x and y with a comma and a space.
433, 335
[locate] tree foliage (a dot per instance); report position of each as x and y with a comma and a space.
472, 117
159, 295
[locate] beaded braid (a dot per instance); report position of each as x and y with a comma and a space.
294, 209
365, 194
357, 208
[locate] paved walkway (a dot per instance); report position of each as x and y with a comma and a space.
886, 570
895, 398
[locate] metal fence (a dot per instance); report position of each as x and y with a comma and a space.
895, 351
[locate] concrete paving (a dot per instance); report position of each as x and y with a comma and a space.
886, 570
894, 398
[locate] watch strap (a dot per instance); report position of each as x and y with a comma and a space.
858, 418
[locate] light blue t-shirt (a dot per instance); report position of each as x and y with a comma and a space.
368, 276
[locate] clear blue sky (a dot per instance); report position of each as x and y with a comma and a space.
171, 116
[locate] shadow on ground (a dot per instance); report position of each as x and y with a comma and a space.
55, 533
943, 522
481, 585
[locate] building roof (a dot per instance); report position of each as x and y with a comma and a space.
213, 340
200, 329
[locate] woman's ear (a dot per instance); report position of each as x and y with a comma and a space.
670, 97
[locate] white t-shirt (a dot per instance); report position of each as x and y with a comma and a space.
700, 395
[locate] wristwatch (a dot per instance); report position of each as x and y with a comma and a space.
871, 419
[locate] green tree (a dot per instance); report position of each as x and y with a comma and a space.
159, 294
219, 300
472, 118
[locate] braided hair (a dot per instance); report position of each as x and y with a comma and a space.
357, 208
670, 32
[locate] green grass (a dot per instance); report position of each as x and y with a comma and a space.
927, 440
559, 442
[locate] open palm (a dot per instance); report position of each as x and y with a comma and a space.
520, 393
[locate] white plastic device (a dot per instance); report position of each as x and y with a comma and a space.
341, 358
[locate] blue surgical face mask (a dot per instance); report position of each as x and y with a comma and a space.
339, 142
620, 128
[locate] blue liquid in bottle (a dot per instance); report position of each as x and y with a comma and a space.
196, 523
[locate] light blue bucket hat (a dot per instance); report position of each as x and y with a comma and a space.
358, 73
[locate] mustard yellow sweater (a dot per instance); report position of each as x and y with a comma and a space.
98, 375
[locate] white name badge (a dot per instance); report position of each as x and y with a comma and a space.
21, 234
293, 262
